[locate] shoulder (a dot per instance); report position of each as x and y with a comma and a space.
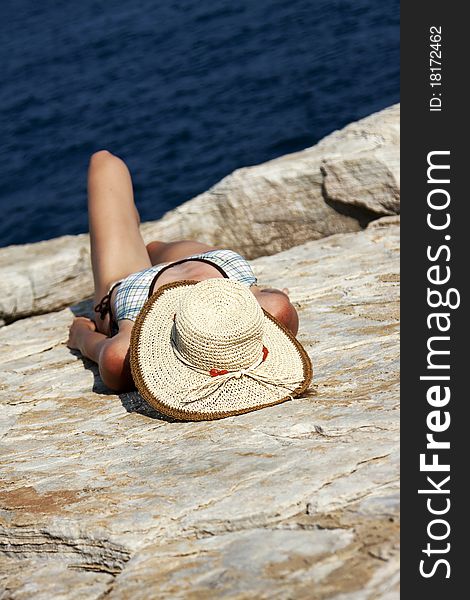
277, 303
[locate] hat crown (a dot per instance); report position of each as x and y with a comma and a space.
219, 324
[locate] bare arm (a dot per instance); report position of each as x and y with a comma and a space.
111, 354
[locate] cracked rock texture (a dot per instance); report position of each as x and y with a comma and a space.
339, 185
103, 498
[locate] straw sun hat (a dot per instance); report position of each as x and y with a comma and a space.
207, 350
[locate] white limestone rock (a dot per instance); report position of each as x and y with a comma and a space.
103, 498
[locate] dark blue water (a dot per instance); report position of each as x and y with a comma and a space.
184, 90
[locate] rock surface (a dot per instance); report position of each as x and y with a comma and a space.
103, 498
338, 185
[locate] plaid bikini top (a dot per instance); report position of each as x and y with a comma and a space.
133, 291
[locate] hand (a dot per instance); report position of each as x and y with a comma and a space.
79, 326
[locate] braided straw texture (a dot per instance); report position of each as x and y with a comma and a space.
215, 323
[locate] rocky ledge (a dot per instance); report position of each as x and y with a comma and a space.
339, 185
104, 498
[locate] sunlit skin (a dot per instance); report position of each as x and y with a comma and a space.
118, 249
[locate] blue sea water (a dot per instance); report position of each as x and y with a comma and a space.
184, 90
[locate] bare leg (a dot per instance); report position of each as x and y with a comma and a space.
161, 252
117, 248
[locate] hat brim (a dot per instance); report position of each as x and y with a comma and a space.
161, 377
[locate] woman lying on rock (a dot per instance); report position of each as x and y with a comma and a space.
183, 321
